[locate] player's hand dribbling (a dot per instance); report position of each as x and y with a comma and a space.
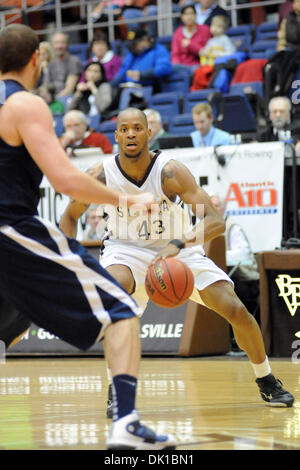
169, 250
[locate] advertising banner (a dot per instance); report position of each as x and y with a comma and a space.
160, 333
284, 295
250, 181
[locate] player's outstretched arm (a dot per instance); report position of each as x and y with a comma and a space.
36, 131
75, 209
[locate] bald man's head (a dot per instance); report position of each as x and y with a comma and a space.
132, 133
130, 113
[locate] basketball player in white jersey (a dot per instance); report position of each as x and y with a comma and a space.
135, 242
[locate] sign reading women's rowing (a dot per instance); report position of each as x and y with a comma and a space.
249, 177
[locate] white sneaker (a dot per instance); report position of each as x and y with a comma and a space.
128, 433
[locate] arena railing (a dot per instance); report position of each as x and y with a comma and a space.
164, 17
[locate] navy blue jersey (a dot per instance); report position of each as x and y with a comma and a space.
20, 177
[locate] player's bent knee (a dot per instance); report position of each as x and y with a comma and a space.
123, 275
240, 317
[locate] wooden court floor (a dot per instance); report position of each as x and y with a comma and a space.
207, 403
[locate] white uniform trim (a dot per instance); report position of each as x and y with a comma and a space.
87, 277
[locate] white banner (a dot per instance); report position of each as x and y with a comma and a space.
251, 181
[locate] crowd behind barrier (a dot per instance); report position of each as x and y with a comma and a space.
172, 75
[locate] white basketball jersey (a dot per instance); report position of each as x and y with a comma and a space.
132, 226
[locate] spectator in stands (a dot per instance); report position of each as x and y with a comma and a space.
77, 134
46, 55
188, 40
220, 44
206, 135
206, 10
101, 13
280, 127
66, 69
146, 63
47, 92
94, 226
94, 94
289, 30
101, 51
155, 124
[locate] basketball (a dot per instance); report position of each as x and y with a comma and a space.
169, 282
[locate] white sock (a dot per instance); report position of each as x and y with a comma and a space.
109, 377
263, 369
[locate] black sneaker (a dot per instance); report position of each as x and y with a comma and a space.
271, 391
109, 408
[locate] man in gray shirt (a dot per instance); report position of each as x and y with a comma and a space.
66, 69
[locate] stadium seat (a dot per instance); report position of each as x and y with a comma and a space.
80, 51
58, 124
247, 87
266, 31
133, 14
167, 104
177, 81
108, 129
241, 30
182, 124
142, 92
94, 122
241, 36
262, 49
195, 97
65, 100
237, 114
242, 43
165, 41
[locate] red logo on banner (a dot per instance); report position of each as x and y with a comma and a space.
262, 197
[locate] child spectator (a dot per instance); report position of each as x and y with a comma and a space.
220, 44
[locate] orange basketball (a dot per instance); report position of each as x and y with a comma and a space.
169, 282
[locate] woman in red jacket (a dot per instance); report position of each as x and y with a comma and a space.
188, 40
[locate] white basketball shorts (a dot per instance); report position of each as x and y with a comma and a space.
205, 271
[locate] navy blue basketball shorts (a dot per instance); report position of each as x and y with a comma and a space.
57, 285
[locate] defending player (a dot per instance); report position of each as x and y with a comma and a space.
50, 279
134, 242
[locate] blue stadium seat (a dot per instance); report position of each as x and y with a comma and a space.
108, 129
165, 41
133, 14
240, 30
65, 100
94, 122
143, 92
80, 50
167, 104
116, 46
182, 124
247, 87
263, 49
58, 124
238, 114
195, 97
177, 81
242, 43
241, 36
266, 31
